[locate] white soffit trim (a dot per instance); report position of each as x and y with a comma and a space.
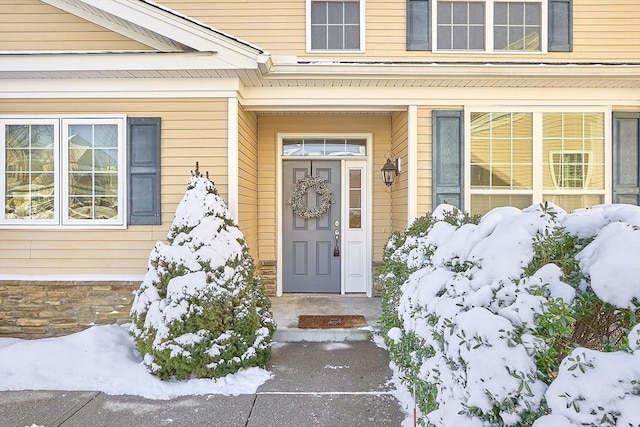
157, 26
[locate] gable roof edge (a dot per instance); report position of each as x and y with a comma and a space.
156, 26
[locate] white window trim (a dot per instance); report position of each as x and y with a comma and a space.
362, 29
61, 220
544, 29
538, 191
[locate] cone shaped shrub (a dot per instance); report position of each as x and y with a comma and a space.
200, 311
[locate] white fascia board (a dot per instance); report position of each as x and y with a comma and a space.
120, 88
120, 61
283, 68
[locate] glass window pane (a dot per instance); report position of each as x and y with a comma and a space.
318, 37
352, 37
106, 184
476, 38
500, 39
476, 13
42, 136
483, 203
106, 160
314, 147
81, 184
335, 13
81, 207
516, 13
352, 12
80, 135
532, 38
460, 13
17, 135
481, 176
572, 202
444, 38
356, 147
318, 12
516, 38
460, 38
532, 13
106, 208
500, 14
335, 38
355, 178
106, 136
444, 12
354, 198
355, 218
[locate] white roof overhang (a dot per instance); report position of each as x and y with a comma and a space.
185, 48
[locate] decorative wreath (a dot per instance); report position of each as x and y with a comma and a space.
300, 189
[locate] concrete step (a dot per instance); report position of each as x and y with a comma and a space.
291, 335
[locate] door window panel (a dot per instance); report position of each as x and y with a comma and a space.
355, 198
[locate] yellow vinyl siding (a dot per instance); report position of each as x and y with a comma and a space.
248, 177
379, 125
602, 30
34, 25
192, 130
399, 190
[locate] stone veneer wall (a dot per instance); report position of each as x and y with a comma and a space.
30, 309
267, 272
42, 309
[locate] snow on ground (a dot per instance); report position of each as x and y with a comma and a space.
103, 358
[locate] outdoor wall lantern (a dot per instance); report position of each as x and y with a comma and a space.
390, 170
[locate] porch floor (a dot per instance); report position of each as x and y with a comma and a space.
287, 308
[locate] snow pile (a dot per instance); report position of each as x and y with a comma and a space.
473, 328
104, 358
200, 311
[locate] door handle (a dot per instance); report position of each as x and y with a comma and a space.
336, 249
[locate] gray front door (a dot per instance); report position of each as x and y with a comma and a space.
310, 251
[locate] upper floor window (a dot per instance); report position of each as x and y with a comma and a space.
500, 26
335, 25
492, 25
62, 171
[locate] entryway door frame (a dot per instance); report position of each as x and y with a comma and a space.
357, 276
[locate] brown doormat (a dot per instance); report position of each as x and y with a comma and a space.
331, 321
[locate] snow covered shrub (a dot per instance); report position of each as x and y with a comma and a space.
404, 254
200, 311
487, 315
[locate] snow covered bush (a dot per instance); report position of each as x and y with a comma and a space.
200, 311
483, 318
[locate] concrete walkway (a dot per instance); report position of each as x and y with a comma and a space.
343, 383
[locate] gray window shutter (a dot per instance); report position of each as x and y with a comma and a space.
447, 146
144, 170
626, 158
418, 25
560, 25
